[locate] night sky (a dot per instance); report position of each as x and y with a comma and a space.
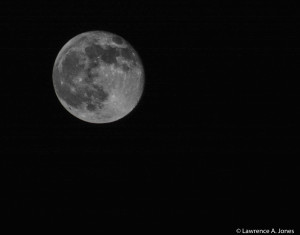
210, 147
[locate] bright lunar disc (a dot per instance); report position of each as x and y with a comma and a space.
98, 77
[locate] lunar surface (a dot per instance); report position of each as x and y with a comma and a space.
98, 77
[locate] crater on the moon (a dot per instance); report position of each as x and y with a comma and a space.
98, 77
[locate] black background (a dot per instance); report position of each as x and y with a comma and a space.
211, 145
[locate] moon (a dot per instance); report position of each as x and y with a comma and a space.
98, 77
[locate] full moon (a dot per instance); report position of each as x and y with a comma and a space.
98, 77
